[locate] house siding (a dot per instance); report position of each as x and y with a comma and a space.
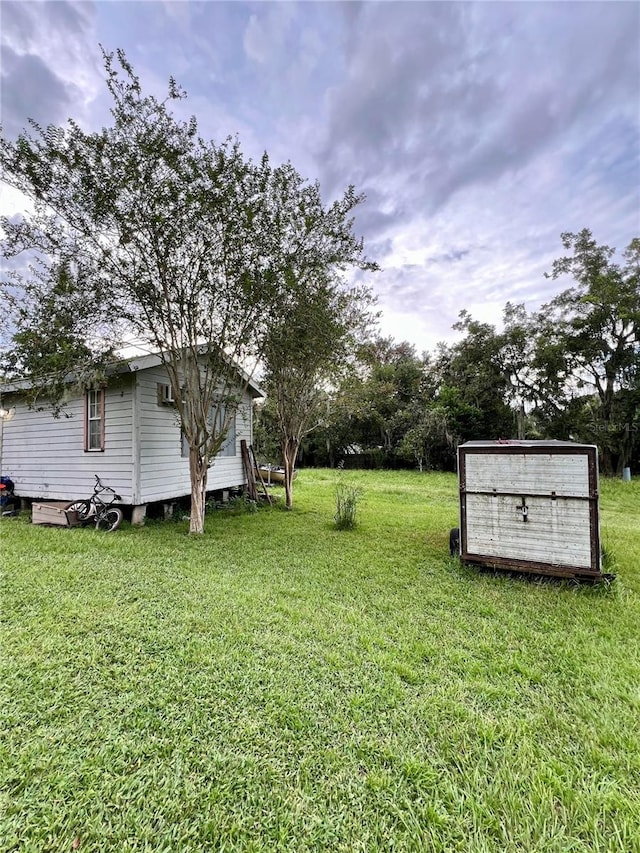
45, 456
163, 471
142, 457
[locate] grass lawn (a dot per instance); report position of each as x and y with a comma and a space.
277, 685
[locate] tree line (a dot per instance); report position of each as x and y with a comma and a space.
145, 231
570, 370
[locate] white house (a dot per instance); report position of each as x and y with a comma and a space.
127, 432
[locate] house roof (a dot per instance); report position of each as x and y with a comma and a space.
144, 362
133, 365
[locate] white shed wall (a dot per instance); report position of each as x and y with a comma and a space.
142, 459
556, 531
163, 471
528, 474
45, 456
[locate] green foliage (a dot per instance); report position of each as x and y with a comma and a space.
266, 434
242, 503
309, 340
236, 504
584, 350
568, 371
411, 410
162, 238
473, 386
377, 402
50, 345
348, 496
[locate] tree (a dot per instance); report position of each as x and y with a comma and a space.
48, 339
321, 318
422, 442
597, 322
377, 402
143, 230
473, 384
574, 364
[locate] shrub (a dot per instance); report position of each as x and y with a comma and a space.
347, 497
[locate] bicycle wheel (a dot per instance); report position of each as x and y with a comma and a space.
82, 508
109, 520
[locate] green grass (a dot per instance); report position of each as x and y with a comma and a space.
278, 685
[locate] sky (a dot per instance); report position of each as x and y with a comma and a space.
479, 132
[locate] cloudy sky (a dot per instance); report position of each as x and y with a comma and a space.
478, 131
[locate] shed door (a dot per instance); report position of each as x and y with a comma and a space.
534, 507
555, 531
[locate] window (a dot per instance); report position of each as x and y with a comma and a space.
94, 420
229, 446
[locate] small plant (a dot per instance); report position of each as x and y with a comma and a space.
241, 503
235, 505
609, 561
347, 497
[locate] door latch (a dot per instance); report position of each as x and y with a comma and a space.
524, 509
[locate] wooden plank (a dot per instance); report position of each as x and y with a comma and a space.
257, 470
248, 471
531, 474
53, 513
556, 531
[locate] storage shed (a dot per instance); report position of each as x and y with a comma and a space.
530, 506
127, 431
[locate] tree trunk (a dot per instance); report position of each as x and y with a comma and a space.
289, 453
198, 476
606, 462
626, 446
330, 454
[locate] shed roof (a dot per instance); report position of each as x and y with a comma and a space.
517, 442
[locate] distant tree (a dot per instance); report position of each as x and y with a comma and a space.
310, 340
266, 438
377, 402
473, 384
427, 435
147, 231
596, 325
573, 365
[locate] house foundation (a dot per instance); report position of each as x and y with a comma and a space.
138, 515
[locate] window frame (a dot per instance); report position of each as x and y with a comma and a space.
229, 449
94, 396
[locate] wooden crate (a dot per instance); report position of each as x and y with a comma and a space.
530, 506
55, 513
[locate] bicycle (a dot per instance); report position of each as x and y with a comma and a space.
96, 509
